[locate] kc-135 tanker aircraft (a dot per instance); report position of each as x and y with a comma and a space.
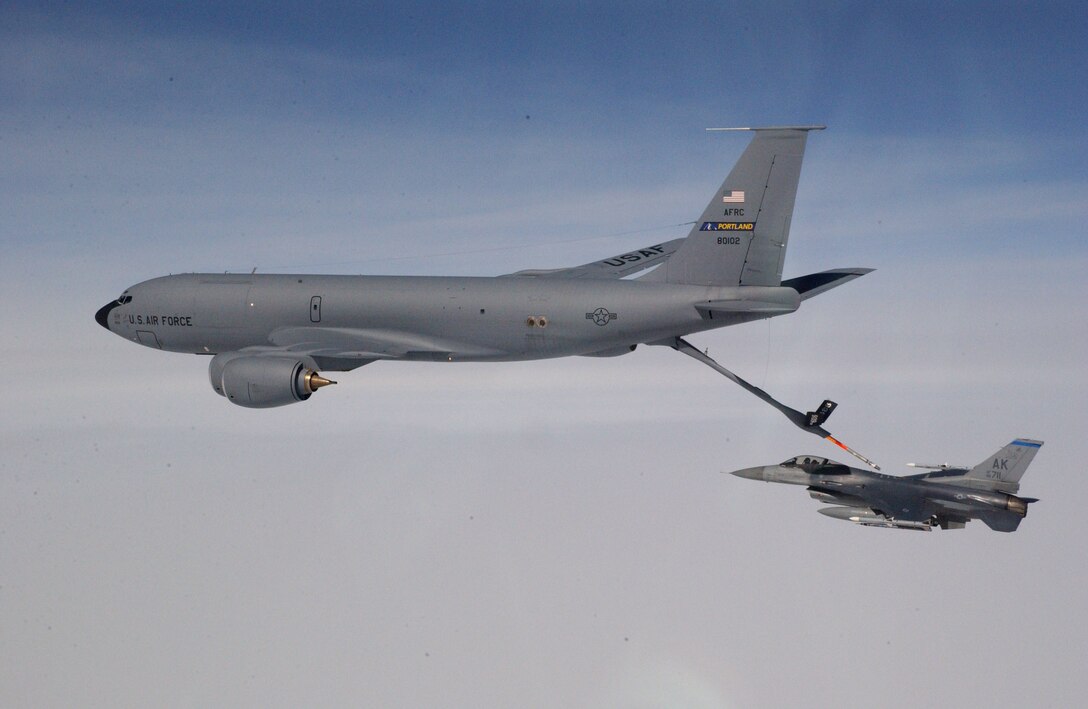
948, 497
269, 336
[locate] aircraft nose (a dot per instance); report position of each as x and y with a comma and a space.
750, 473
103, 314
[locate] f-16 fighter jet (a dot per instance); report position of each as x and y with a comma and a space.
947, 497
268, 336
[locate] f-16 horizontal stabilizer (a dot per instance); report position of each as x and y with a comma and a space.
1001, 521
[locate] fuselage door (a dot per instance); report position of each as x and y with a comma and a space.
148, 339
315, 309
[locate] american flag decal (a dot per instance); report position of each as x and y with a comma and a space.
733, 197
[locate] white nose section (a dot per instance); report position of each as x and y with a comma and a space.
750, 473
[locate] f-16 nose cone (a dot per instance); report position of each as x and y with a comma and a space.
103, 314
750, 473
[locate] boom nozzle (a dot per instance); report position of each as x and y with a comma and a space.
853, 452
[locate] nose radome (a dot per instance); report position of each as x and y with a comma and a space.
750, 473
103, 314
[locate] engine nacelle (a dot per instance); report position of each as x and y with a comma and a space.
262, 382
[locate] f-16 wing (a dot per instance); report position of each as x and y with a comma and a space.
901, 504
889, 501
610, 268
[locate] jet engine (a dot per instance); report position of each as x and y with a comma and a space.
1018, 505
262, 382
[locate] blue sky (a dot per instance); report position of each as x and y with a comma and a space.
551, 533
998, 67
336, 123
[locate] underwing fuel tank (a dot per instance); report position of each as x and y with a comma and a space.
867, 518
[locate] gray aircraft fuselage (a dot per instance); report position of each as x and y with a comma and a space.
948, 497
270, 334
418, 317
860, 487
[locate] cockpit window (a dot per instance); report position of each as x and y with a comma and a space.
124, 299
805, 461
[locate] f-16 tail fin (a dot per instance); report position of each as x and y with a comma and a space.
1004, 468
740, 239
